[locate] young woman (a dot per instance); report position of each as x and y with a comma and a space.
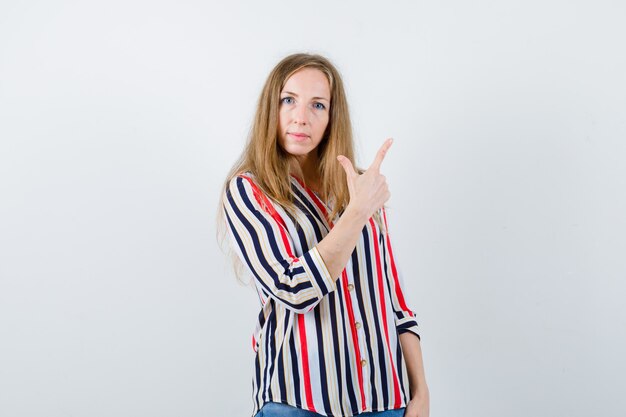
334, 335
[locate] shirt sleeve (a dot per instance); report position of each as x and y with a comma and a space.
263, 244
405, 318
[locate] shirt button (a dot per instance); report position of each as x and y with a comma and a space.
350, 287
363, 363
358, 325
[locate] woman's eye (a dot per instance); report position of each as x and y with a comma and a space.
319, 106
287, 100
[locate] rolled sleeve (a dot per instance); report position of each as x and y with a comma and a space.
264, 245
314, 264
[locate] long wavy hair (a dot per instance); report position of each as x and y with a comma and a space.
270, 164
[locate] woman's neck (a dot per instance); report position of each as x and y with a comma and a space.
307, 169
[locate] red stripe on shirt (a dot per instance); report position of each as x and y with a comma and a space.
383, 308
394, 272
305, 363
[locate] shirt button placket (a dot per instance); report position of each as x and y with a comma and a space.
358, 324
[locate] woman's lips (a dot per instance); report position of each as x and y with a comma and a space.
298, 136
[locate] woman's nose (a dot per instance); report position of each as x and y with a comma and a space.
300, 115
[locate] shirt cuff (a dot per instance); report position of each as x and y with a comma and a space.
315, 267
407, 324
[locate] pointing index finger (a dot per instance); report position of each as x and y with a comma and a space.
380, 155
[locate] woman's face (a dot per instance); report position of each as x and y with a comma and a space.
304, 112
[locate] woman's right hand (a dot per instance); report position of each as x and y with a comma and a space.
368, 191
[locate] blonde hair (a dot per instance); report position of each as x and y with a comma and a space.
270, 164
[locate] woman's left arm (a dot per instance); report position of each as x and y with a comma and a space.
419, 405
407, 328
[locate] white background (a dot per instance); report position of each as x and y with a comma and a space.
120, 119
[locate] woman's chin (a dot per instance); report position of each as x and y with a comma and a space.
298, 151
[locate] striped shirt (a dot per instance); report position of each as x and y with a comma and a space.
322, 343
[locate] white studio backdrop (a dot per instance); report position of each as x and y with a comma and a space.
120, 119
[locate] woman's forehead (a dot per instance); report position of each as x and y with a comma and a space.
308, 81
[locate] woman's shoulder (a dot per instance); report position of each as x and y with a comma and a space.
243, 182
246, 175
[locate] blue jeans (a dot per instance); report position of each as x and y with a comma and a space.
284, 410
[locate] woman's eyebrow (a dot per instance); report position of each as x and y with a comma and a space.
295, 95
